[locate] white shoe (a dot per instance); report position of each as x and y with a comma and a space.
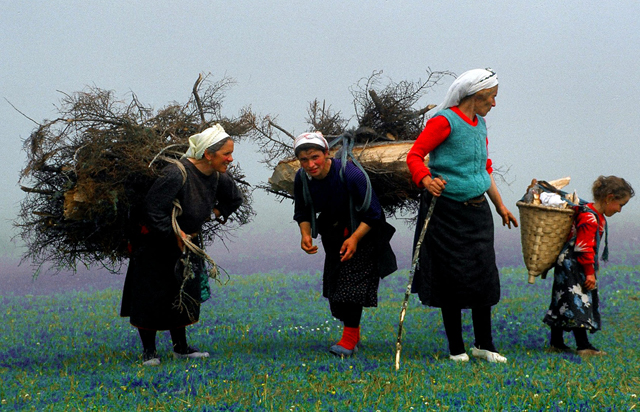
463, 357
493, 357
152, 362
150, 359
191, 353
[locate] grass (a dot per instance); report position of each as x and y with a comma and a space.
268, 336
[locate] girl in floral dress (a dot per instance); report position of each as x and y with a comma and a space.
574, 299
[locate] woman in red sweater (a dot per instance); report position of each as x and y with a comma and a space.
457, 268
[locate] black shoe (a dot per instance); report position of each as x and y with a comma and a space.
341, 351
559, 347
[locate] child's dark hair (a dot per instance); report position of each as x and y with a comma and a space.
611, 185
309, 146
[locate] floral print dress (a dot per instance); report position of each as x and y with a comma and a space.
572, 306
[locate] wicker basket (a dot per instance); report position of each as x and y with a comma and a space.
544, 230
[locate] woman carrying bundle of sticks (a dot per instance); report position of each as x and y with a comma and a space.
457, 268
154, 291
356, 242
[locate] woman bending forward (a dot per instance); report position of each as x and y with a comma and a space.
356, 243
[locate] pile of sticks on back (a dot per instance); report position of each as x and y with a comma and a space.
88, 171
384, 113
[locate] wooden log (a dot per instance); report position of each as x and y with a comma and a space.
80, 200
560, 183
383, 157
77, 200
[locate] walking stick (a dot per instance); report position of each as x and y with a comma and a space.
407, 293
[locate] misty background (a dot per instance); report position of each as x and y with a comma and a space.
569, 77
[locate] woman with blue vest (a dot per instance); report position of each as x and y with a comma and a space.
457, 268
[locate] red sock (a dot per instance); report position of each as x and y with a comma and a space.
350, 337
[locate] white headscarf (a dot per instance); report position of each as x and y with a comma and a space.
468, 83
199, 142
312, 137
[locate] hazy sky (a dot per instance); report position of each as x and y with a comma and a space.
569, 74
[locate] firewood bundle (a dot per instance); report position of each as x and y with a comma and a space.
89, 170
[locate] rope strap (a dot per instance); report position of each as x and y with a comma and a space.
177, 211
345, 153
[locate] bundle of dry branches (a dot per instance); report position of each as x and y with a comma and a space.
386, 122
88, 172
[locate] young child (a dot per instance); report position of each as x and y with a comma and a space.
574, 299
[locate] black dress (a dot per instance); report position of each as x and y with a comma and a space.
151, 288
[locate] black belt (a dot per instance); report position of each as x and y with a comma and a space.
475, 201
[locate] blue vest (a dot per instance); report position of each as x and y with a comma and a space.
462, 158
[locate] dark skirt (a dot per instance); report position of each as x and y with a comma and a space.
151, 290
457, 263
572, 306
357, 279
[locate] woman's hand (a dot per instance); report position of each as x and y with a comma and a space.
496, 199
349, 247
219, 218
435, 186
590, 282
182, 237
507, 216
307, 244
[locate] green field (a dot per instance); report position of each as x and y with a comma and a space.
268, 336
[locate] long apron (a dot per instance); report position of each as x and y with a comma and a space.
353, 281
151, 289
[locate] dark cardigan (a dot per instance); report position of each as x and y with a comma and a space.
151, 288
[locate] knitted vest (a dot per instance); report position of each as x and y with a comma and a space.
462, 159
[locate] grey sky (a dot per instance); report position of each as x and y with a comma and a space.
569, 73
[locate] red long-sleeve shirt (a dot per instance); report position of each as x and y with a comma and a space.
586, 226
435, 132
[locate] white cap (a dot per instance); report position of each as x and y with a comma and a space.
312, 137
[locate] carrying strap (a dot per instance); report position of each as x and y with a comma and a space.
582, 204
346, 153
306, 195
177, 211
605, 251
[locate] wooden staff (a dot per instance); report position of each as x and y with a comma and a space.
407, 293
